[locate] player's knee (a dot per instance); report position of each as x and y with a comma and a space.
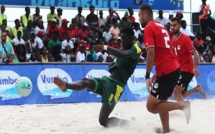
150, 108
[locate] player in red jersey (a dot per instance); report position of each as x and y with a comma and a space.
160, 52
184, 50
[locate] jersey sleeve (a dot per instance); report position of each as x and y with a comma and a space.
189, 45
135, 52
149, 39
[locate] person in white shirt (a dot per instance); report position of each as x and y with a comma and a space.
114, 30
40, 27
171, 15
80, 57
66, 42
67, 56
18, 40
106, 34
39, 40
160, 18
102, 21
104, 55
184, 29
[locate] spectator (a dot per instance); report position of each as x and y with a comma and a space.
184, 29
104, 54
67, 55
212, 55
36, 17
79, 17
39, 38
111, 16
40, 26
27, 30
64, 29
109, 59
84, 32
131, 17
18, 40
67, 42
33, 57
100, 58
171, 15
207, 45
53, 27
52, 15
26, 17
180, 15
91, 52
44, 56
114, 30
54, 46
21, 53
203, 17
59, 14
80, 57
125, 20
3, 16
92, 19
32, 44
160, 18
102, 21
137, 31
8, 29
198, 43
73, 29
16, 28
90, 58
106, 35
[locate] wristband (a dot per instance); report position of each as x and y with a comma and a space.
105, 47
147, 75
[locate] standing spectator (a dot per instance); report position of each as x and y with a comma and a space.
59, 14
26, 17
16, 28
40, 26
36, 17
131, 17
2, 14
114, 30
102, 21
18, 40
171, 15
27, 30
52, 15
160, 18
79, 17
203, 17
64, 28
80, 57
180, 15
67, 42
111, 16
92, 19
184, 29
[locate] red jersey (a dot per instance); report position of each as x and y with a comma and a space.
183, 48
157, 36
50, 31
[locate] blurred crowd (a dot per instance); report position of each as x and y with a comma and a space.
72, 40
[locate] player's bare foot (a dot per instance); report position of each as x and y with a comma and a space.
201, 91
187, 110
60, 84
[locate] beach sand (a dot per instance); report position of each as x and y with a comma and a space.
82, 118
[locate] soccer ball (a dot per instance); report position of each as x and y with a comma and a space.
23, 86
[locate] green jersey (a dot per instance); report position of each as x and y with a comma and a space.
126, 66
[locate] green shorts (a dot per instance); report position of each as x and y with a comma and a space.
110, 90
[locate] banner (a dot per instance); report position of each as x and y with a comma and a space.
116, 4
45, 91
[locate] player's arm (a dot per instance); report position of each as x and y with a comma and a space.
196, 63
115, 52
150, 60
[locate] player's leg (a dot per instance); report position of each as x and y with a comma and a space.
77, 85
197, 89
164, 117
178, 93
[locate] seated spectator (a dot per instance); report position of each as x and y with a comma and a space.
26, 17
91, 52
100, 59
39, 38
184, 29
18, 40
67, 55
124, 22
160, 18
33, 57
84, 32
137, 31
171, 15
114, 30
32, 44
40, 27
94, 35
106, 35
73, 29
104, 55
90, 58
44, 56
53, 27
64, 29
80, 57
54, 46
27, 30
111, 16
67, 42
8, 29
198, 43
207, 45
21, 53
109, 59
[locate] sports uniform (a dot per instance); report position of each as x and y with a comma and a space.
183, 48
111, 89
166, 64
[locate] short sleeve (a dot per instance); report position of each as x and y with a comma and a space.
149, 39
135, 51
189, 45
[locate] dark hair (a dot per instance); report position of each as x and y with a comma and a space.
80, 8
59, 10
114, 20
176, 19
147, 9
183, 21
128, 31
91, 7
16, 20
27, 8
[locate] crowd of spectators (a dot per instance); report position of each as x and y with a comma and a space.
72, 40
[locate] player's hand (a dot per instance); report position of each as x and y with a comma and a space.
98, 48
154, 78
148, 84
196, 72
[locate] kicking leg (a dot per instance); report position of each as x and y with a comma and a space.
77, 85
105, 121
197, 89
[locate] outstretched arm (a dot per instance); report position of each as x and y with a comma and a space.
115, 52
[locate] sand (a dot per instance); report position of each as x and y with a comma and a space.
82, 118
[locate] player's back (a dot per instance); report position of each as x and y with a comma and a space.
157, 36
